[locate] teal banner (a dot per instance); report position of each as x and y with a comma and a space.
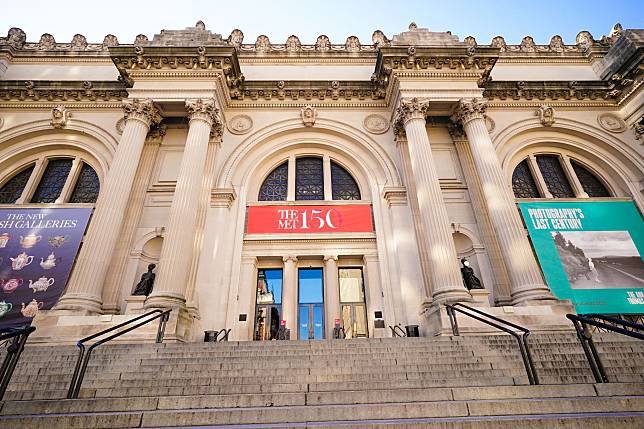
590, 253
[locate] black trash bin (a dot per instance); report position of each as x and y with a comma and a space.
412, 331
210, 336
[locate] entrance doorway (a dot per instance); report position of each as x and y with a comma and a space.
268, 311
352, 303
311, 304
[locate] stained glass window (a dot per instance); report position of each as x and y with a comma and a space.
52, 181
87, 186
344, 187
309, 179
523, 183
554, 176
590, 183
12, 190
275, 186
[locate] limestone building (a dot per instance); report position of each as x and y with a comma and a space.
313, 184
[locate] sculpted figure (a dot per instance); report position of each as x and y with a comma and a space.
469, 278
144, 287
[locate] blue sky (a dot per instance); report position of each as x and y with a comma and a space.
308, 19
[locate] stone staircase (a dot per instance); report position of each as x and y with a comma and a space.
444, 382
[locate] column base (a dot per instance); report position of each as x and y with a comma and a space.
134, 304
111, 309
80, 303
531, 295
165, 300
450, 295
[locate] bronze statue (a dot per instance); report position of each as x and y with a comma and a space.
144, 286
469, 278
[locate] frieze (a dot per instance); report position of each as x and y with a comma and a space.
551, 90
54, 91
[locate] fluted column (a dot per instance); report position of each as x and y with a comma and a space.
114, 280
444, 272
331, 293
289, 294
178, 245
521, 264
501, 279
86, 283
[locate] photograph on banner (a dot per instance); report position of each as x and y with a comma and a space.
38, 247
590, 252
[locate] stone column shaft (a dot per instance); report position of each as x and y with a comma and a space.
178, 245
444, 272
246, 299
502, 281
86, 283
289, 295
521, 264
114, 281
331, 293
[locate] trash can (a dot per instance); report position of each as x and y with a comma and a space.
412, 331
210, 336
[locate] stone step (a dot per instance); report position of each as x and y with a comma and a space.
330, 413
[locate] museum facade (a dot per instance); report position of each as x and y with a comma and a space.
286, 187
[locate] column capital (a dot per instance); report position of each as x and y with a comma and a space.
156, 134
330, 257
249, 260
142, 110
456, 132
289, 258
410, 108
204, 109
469, 109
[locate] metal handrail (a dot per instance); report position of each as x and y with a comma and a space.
522, 340
14, 350
394, 332
224, 335
586, 338
83, 358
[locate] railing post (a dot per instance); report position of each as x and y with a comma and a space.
72, 385
452, 320
591, 345
587, 352
533, 368
161, 331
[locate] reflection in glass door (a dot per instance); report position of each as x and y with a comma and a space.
311, 304
352, 303
269, 304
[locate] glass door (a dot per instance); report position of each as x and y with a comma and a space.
311, 304
352, 303
268, 309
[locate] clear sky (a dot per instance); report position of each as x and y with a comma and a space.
308, 19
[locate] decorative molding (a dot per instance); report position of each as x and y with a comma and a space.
120, 126
59, 116
308, 114
376, 124
240, 124
395, 195
638, 129
611, 122
411, 108
467, 110
156, 133
546, 115
57, 91
222, 197
490, 124
142, 110
1, 122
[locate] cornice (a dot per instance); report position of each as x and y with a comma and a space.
68, 91
594, 91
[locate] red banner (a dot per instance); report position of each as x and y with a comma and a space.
309, 219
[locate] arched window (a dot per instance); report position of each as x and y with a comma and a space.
560, 177
344, 187
523, 183
309, 181
49, 183
12, 190
275, 186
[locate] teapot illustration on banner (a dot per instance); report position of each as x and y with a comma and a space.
41, 284
10, 285
4, 239
5, 307
49, 263
21, 261
57, 240
31, 309
30, 240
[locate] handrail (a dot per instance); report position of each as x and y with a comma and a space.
394, 332
522, 340
83, 358
14, 350
586, 338
224, 335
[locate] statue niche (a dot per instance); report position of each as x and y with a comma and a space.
469, 278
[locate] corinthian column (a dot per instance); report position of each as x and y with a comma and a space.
523, 271
444, 272
178, 245
86, 282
